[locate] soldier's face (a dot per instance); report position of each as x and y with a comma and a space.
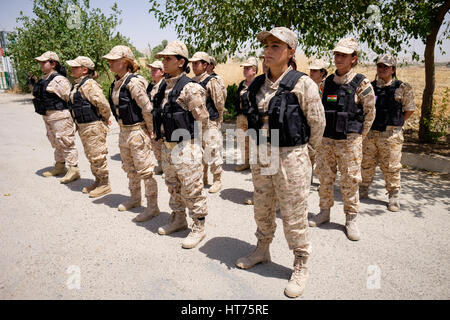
316, 75
277, 52
157, 74
343, 61
172, 65
249, 72
46, 66
384, 71
117, 66
199, 67
79, 71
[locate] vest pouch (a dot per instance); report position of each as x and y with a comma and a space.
330, 117
341, 122
293, 126
181, 122
78, 113
38, 107
87, 114
397, 117
169, 125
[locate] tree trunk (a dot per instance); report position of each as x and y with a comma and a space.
427, 98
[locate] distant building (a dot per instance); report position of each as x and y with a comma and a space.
8, 76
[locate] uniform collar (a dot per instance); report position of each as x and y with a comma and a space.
201, 77
275, 85
172, 81
344, 78
381, 83
46, 76
78, 80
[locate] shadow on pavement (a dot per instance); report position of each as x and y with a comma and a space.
113, 200
116, 157
238, 196
227, 250
159, 221
41, 171
78, 185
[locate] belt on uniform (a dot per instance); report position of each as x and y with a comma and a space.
132, 127
171, 145
385, 134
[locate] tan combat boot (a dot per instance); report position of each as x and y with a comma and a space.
135, 201
351, 227
363, 192
296, 284
394, 203
91, 187
58, 169
242, 167
196, 235
217, 185
322, 217
150, 212
260, 255
71, 175
177, 222
103, 188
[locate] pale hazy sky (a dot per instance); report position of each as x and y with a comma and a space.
138, 24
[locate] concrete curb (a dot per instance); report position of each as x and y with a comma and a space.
429, 162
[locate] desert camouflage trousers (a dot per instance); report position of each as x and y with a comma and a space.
384, 149
242, 124
61, 134
183, 170
157, 149
93, 137
287, 183
347, 156
213, 148
137, 162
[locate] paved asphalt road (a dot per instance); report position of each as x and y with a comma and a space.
53, 237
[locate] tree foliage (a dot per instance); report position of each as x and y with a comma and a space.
55, 27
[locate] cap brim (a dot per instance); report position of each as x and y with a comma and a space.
343, 50
262, 36
153, 66
111, 57
73, 63
386, 64
195, 59
41, 59
165, 53
247, 65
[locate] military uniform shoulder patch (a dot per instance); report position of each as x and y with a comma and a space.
368, 90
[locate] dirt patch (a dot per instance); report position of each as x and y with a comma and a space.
413, 145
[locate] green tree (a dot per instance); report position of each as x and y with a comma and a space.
229, 25
71, 28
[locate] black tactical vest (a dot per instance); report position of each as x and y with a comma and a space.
44, 100
284, 112
149, 89
172, 115
210, 106
389, 112
157, 109
342, 114
239, 101
129, 111
82, 110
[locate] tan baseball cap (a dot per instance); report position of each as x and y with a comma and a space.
198, 56
212, 61
284, 34
156, 64
81, 62
388, 60
250, 62
347, 46
46, 56
174, 48
119, 52
317, 64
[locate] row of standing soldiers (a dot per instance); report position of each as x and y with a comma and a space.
322, 120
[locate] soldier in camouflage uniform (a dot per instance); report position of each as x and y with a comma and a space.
285, 174
212, 134
349, 102
157, 71
250, 71
132, 109
51, 94
183, 107
383, 145
91, 112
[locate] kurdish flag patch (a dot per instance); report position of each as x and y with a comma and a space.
332, 98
